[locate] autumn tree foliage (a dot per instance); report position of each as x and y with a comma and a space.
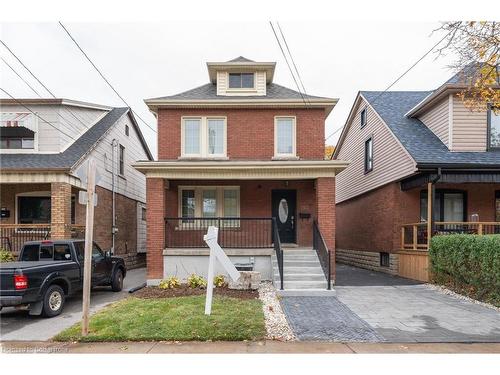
477, 47
329, 149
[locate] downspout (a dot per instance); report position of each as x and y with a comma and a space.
114, 143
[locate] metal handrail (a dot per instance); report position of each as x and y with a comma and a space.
278, 250
323, 252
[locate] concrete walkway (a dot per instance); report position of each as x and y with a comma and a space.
396, 309
18, 325
241, 347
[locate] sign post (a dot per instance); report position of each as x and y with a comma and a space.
89, 234
216, 252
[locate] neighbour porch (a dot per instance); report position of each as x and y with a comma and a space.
448, 203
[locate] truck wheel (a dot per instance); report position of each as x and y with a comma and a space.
53, 301
117, 282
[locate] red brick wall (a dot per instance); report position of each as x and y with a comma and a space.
250, 132
372, 221
155, 213
325, 207
255, 200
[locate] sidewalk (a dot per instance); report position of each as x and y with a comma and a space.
244, 347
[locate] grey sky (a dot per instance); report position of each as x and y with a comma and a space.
335, 59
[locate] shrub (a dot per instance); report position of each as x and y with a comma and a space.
6, 256
219, 281
468, 261
169, 283
195, 281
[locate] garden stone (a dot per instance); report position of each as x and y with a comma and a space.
248, 280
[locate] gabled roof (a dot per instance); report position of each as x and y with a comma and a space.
240, 64
420, 142
74, 153
241, 59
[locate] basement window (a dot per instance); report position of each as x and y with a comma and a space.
384, 260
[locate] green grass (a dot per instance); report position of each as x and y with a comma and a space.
180, 318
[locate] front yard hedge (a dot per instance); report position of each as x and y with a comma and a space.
468, 262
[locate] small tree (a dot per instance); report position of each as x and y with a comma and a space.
477, 47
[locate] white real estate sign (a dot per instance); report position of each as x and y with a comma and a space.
216, 252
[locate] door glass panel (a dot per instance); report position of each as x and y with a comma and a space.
283, 210
453, 207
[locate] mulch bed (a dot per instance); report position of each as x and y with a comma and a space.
183, 291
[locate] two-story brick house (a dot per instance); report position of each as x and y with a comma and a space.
236, 153
45, 145
421, 163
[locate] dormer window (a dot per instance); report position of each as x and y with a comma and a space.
17, 138
241, 80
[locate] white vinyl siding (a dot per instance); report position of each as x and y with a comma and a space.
470, 128
391, 161
437, 120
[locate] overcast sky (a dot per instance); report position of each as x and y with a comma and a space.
335, 59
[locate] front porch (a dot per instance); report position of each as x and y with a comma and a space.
443, 204
260, 208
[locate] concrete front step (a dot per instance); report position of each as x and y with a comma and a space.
297, 270
298, 263
305, 284
301, 258
301, 277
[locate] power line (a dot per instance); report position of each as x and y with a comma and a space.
21, 78
293, 61
40, 82
287, 63
103, 77
25, 67
399, 78
36, 114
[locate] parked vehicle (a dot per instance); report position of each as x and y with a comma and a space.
49, 271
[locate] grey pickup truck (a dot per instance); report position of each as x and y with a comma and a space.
49, 271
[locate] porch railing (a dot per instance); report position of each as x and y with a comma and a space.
13, 236
278, 250
414, 236
240, 232
319, 245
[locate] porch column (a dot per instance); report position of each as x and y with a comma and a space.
430, 216
155, 224
325, 211
60, 211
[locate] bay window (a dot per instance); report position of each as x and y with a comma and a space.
203, 137
284, 136
209, 201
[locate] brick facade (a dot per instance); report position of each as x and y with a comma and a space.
325, 208
155, 201
250, 132
60, 210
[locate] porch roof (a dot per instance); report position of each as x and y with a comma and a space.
241, 170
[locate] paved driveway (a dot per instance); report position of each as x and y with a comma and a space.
18, 325
392, 309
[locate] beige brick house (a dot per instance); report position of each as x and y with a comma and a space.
45, 144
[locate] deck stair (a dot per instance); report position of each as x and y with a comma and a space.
303, 274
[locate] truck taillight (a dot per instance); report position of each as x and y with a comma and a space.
20, 282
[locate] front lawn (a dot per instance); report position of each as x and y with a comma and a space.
169, 319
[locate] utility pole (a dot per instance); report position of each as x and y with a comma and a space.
89, 234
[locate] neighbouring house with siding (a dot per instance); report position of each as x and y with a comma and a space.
246, 155
45, 146
420, 163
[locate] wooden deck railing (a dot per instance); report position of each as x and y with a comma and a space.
414, 236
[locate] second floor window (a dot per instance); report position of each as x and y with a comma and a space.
122, 160
368, 155
204, 137
362, 117
494, 128
284, 138
241, 80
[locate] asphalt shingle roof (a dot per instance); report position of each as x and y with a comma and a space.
66, 159
421, 143
209, 92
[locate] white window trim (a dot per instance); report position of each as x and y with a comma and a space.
294, 142
203, 141
242, 89
198, 199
